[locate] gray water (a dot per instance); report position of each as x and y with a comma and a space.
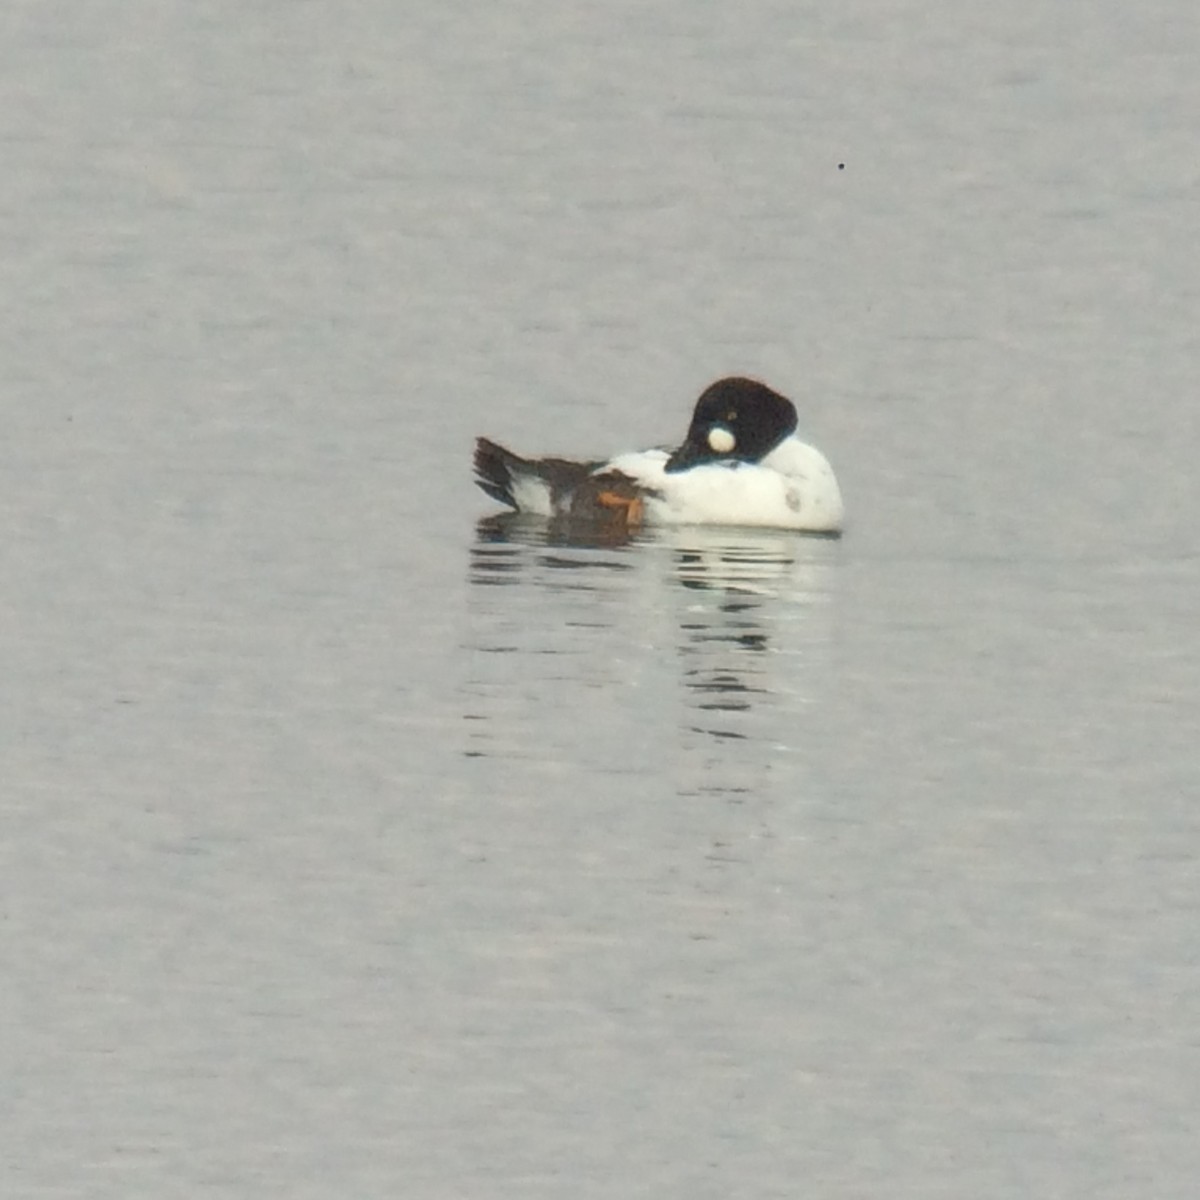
356, 845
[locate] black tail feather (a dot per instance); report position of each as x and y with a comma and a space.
493, 470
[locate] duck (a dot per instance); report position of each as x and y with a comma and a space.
740, 463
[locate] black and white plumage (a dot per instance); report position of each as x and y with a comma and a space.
740, 463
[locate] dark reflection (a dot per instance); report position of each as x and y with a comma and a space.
511, 543
724, 667
730, 693
577, 532
512, 548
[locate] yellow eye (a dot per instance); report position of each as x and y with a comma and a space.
731, 415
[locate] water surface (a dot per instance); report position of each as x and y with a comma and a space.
356, 842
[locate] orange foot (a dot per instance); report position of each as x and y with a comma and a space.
632, 506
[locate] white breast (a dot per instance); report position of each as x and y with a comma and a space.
814, 483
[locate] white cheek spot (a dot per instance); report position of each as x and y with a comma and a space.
720, 440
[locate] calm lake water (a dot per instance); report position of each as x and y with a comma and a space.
356, 843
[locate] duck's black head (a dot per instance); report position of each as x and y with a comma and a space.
736, 420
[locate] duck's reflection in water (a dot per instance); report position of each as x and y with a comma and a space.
748, 561
690, 662
753, 624
512, 546
573, 532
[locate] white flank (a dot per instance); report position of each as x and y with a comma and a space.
532, 495
794, 487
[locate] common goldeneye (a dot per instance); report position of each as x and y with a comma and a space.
740, 464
